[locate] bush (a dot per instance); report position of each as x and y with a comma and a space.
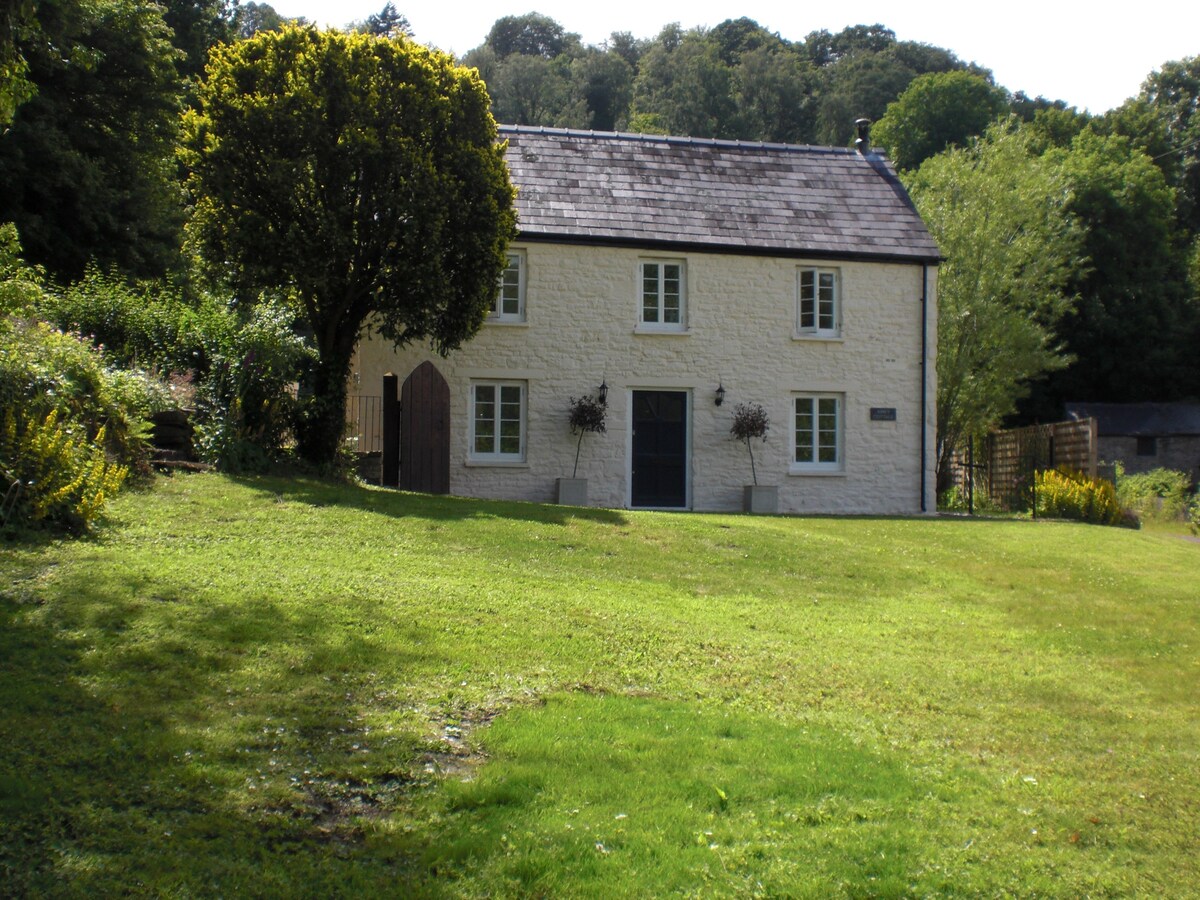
243, 366
246, 403
1158, 494
52, 474
1194, 514
1067, 494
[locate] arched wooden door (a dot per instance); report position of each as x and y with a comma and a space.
425, 431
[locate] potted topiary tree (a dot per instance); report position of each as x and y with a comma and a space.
750, 424
586, 416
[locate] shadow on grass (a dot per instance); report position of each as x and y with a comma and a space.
437, 507
152, 745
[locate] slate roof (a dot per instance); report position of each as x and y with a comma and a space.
1144, 419
728, 196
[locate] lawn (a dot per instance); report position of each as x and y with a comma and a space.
264, 687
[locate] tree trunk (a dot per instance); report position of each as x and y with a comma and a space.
322, 425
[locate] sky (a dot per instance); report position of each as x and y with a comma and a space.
1062, 51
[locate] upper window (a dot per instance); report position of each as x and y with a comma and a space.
498, 421
663, 295
818, 307
818, 432
509, 305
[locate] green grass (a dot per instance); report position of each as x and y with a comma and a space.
271, 688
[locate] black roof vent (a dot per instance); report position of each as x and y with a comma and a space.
863, 143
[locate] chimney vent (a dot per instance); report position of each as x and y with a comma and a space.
863, 143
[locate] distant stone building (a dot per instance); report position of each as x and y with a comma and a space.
1145, 436
686, 276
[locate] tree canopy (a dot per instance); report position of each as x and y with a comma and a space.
87, 163
937, 110
1011, 248
359, 176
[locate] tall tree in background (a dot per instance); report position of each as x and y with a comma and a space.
999, 216
937, 110
17, 25
389, 215
197, 26
1130, 331
87, 163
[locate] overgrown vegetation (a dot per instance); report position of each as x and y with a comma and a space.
261, 686
1158, 494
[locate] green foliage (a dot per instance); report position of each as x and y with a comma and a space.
999, 216
17, 23
53, 475
1131, 331
359, 177
246, 402
43, 370
1157, 494
937, 110
87, 163
1067, 494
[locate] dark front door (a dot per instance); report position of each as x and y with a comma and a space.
659, 477
425, 431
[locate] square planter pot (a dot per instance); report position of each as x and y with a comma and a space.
572, 491
762, 499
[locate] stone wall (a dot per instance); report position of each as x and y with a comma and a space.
1178, 452
581, 329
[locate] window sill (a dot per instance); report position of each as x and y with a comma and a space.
496, 464
662, 330
800, 471
507, 323
820, 338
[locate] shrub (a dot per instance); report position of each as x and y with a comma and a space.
1157, 494
1067, 494
246, 404
53, 475
1194, 514
244, 366
750, 423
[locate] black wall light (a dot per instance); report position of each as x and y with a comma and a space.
720, 393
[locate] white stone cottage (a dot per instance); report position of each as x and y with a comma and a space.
672, 271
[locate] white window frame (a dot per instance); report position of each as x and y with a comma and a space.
494, 453
515, 260
809, 304
661, 294
811, 438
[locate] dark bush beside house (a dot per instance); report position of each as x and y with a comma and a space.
587, 416
751, 423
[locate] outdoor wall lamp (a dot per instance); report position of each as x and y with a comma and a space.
604, 392
720, 393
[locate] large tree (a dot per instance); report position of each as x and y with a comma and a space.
999, 216
937, 110
87, 164
361, 177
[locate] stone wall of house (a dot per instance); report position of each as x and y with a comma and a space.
581, 314
1178, 452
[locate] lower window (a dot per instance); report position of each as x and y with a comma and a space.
817, 432
498, 421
